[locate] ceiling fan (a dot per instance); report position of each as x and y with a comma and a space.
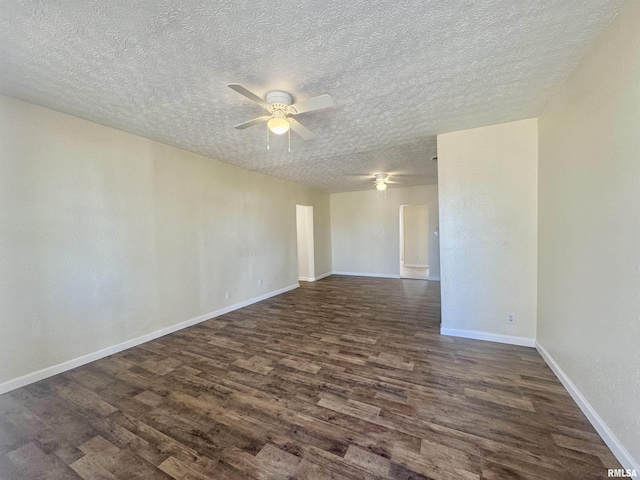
282, 110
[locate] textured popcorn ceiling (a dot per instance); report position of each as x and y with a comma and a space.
399, 72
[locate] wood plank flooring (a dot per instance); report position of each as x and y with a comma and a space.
343, 378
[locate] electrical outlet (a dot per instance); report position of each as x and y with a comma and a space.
511, 318
260, 282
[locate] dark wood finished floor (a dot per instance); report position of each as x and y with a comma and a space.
343, 378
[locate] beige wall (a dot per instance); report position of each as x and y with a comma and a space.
105, 236
488, 230
416, 234
589, 260
365, 229
320, 202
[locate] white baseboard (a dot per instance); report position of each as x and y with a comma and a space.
313, 279
489, 337
413, 265
105, 352
621, 453
360, 274
434, 279
324, 275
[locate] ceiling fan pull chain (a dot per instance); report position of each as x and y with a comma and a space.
289, 140
267, 139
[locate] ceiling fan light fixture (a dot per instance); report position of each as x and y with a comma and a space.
381, 180
281, 110
381, 185
278, 125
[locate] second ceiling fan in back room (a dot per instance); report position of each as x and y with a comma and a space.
281, 112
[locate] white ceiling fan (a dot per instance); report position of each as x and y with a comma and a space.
282, 110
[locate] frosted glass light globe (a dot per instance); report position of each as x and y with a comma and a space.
278, 125
380, 185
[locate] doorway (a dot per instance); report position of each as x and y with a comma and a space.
414, 241
306, 254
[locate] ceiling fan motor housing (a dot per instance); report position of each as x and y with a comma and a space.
279, 97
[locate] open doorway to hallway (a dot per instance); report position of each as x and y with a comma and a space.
306, 251
419, 249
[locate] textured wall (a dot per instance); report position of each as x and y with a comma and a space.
105, 236
488, 229
589, 267
365, 229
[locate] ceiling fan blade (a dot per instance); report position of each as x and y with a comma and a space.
253, 122
301, 130
250, 95
317, 103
